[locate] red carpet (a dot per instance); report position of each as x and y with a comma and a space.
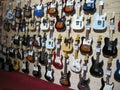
20, 81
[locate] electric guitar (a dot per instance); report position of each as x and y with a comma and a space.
44, 20
16, 65
110, 48
6, 25
77, 20
60, 23
10, 13
18, 10
96, 68
99, 22
105, 84
43, 53
39, 9
52, 10
49, 71
11, 50
50, 41
67, 46
64, 80
84, 83
117, 72
119, 25
69, 6
37, 40
89, 6
86, 47
13, 24
36, 66
75, 64
57, 61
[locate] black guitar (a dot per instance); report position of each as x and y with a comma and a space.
105, 84
110, 48
12, 50
96, 68
84, 83
49, 71
43, 53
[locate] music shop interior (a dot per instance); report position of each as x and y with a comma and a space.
59, 44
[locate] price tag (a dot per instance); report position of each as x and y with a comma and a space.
108, 72
112, 27
68, 27
76, 47
60, 6
58, 45
49, 60
98, 49
84, 68
43, 44
101, 2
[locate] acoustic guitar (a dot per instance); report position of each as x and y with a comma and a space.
96, 68
60, 23
75, 64
77, 20
57, 61
43, 54
84, 83
110, 48
86, 47
67, 46
69, 6
99, 23
117, 71
89, 6
105, 84
49, 71
65, 76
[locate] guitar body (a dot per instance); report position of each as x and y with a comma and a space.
16, 65
25, 67
6, 25
30, 56
49, 43
27, 11
10, 14
44, 24
39, 11
60, 24
68, 9
77, 22
117, 72
85, 46
20, 54
89, 6
36, 71
16, 39
13, 25
18, 12
75, 65
26, 40
99, 22
52, 11
49, 74
37, 41
110, 48
106, 86
83, 84
96, 68
43, 57
11, 52
64, 80
57, 61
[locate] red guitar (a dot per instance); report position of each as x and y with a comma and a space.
57, 61
119, 26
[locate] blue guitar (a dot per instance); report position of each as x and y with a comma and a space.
117, 72
99, 19
89, 6
39, 9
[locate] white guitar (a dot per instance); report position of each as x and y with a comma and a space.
50, 41
77, 20
75, 64
44, 21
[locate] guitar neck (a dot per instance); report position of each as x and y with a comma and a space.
65, 66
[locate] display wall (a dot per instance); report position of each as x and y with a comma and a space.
109, 7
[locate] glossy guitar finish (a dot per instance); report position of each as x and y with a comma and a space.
25, 67
117, 72
36, 71
64, 80
89, 6
96, 68
110, 48
106, 86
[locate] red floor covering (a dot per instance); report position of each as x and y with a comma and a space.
20, 81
